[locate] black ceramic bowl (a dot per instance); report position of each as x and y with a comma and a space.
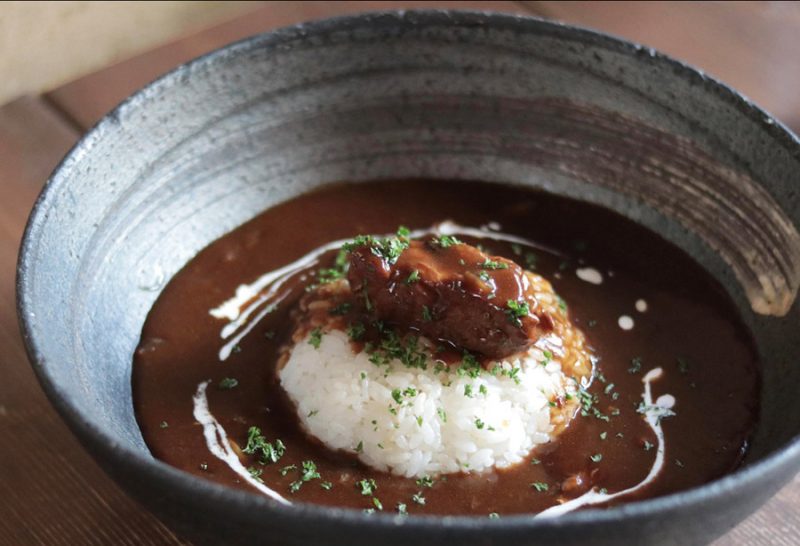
415, 94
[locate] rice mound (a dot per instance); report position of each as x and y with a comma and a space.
414, 422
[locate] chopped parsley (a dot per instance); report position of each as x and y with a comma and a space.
659, 412
636, 365
397, 396
228, 383
468, 390
679, 463
204, 466
327, 486
315, 338
535, 461
402, 509
426, 314
308, 472
163, 424
597, 457
388, 249
413, 277
258, 445
445, 241
491, 264
442, 414
483, 390
341, 309
468, 360
418, 498
540, 486
377, 503
406, 349
286, 469
516, 310
425, 481
360, 447
338, 271
494, 515
255, 473
479, 424
356, 331
648, 446
603, 435
367, 487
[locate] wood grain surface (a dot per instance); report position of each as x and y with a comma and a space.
51, 492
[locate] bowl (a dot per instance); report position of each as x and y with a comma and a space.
454, 95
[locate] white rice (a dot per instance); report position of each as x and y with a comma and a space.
347, 402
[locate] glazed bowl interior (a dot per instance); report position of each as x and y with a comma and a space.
414, 95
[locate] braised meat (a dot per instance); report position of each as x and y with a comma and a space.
449, 291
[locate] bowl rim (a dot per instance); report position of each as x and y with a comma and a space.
188, 486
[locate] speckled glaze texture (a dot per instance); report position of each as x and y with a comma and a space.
401, 95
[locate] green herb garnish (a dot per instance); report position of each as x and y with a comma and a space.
315, 338
255, 473
356, 331
341, 309
413, 277
445, 241
426, 314
367, 487
228, 383
516, 310
491, 264
258, 445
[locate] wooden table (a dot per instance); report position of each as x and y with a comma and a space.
51, 492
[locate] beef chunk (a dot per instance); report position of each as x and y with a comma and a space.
449, 291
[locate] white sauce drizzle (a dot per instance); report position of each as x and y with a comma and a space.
218, 445
653, 419
641, 305
625, 322
590, 275
266, 290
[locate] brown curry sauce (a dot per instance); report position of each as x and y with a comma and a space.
690, 330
